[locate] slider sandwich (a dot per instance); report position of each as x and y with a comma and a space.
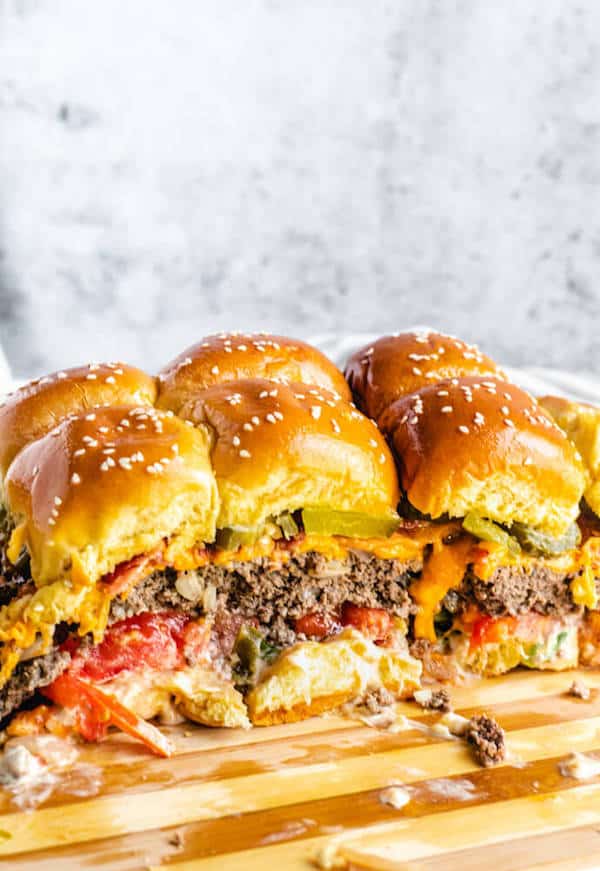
225, 552
508, 585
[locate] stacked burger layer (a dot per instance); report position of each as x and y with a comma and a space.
227, 542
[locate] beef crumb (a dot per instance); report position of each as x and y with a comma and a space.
487, 739
579, 690
376, 700
434, 700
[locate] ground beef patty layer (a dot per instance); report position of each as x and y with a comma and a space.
515, 590
255, 590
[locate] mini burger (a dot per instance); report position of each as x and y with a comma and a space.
507, 586
241, 562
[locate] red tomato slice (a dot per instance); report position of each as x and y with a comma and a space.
96, 710
374, 623
162, 640
318, 624
488, 630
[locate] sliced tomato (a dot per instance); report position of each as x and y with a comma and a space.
318, 624
128, 574
490, 630
162, 640
374, 623
96, 710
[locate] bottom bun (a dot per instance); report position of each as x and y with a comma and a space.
313, 677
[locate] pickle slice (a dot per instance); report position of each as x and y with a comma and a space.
354, 524
487, 530
253, 652
232, 537
534, 541
287, 524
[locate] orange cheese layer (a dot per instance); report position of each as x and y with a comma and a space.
447, 564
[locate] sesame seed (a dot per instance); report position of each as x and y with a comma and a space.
373, 443
527, 461
263, 394
255, 420
446, 409
507, 396
245, 454
335, 426
505, 410
509, 422
416, 371
215, 370
236, 441
103, 429
61, 375
90, 417
248, 427
271, 418
57, 500
124, 463
300, 395
79, 452
51, 521
54, 512
75, 478
443, 393
382, 458
464, 429
315, 411
242, 348
278, 415
478, 419
91, 376
118, 371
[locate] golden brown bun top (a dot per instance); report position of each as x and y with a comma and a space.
103, 487
230, 356
34, 409
279, 447
484, 445
394, 366
581, 424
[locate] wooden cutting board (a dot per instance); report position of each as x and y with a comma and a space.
273, 798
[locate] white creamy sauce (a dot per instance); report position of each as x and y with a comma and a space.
394, 796
456, 724
446, 788
580, 766
32, 767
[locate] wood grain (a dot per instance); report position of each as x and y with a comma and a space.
273, 798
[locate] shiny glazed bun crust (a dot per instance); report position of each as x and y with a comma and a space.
394, 366
34, 409
103, 487
479, 444
279, 447
581, 424
231, 356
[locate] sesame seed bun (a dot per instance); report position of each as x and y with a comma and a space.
103, 487
279, 447
581, 424
230, 356
34, 409
394, 366
484, 445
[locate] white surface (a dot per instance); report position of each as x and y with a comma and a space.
169, 168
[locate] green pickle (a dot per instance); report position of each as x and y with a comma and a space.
487, 530
287, 524
534, 541
354, 524
232, 537
252, 652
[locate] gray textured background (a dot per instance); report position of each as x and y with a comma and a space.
168, 167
